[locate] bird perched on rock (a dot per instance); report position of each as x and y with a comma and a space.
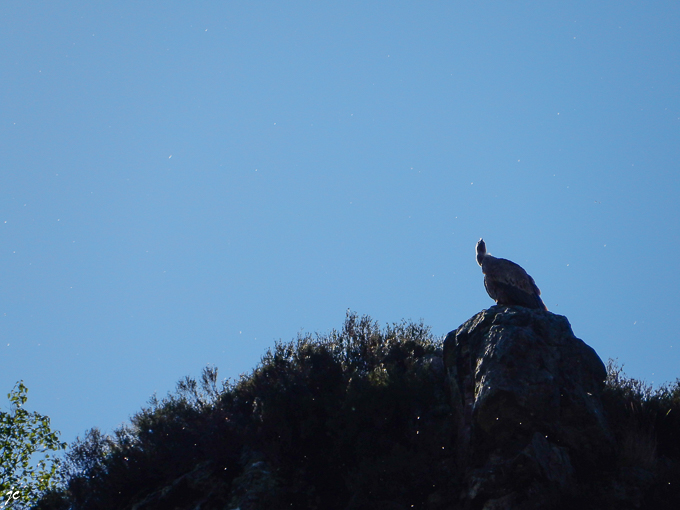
506, 282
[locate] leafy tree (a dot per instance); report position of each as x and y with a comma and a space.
23, 434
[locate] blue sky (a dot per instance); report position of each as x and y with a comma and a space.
184, 185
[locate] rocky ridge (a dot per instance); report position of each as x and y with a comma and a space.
526, 395
511, 412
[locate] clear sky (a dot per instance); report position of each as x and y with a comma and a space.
183, 185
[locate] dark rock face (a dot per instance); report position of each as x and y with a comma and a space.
527, 395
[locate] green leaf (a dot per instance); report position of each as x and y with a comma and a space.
22, 434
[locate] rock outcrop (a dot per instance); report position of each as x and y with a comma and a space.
526, 395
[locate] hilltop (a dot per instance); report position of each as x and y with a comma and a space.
509, 411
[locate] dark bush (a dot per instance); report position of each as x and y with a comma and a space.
350, 419
646, 425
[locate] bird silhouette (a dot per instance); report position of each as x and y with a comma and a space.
506, 282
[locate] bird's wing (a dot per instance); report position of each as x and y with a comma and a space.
508, 273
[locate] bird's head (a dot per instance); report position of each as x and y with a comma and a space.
481, 251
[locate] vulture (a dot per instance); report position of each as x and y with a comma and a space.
506, 282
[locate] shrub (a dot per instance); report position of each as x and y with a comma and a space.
355, 417
22, 436
646, 425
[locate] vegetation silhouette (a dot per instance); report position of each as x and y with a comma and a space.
357, 418
360, 415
